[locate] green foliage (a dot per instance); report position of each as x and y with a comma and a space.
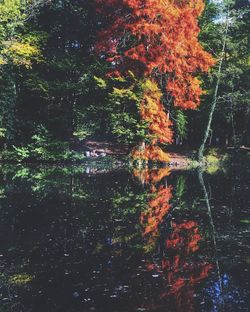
180, 123
37, 85
21, 153
46, 148
232, 113
16, 45
50, 79
42, 148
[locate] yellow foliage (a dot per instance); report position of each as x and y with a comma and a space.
124, 93
21, 53
2, 61
20, 279
153, 112
101, 83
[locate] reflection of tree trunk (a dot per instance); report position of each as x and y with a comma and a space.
213, 232
142, 147
214, 102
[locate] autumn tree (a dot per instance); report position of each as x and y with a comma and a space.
158, 42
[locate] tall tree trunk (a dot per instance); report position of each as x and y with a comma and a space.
232, 120
214, 102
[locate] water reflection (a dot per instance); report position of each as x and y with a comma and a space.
158, 205
178, 242
96, 239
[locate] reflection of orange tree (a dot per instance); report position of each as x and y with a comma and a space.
180, 271
178, 266
158, 205
181, 243
158, 208
152, 176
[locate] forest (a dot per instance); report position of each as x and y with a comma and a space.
124, 155
151, 76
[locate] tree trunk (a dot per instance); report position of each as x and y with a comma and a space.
214, 102
232, 121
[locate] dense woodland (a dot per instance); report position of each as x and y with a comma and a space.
145, 73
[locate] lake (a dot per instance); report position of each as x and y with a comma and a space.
99, 239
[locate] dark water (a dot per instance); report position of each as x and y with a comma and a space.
83, 239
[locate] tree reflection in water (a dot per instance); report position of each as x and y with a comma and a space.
104, 241
175, 244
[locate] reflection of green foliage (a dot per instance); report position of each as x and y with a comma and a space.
213, 168
149, 248
215, 160
180, 186
22, 153
79, 194
2, 132
245, 221
23, 172
20, 279
129, 204
2, 193
98, 248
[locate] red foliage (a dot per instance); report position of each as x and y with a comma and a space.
164, 38
180, 269
158, 204
155, 38
181, 275
158, 208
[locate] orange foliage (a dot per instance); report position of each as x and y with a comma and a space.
190, 242
153, 112
180, 274
152, 175
179, 269
150, 152
158, 208
165, 39
156, 38
158, 204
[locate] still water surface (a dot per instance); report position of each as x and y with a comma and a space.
87, 239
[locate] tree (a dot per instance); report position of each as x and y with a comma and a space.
227, 85
157, 40
19, 47
214, 102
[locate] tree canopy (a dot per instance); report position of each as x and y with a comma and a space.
136, 72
